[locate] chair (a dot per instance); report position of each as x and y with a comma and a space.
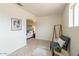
66, 47
62, 53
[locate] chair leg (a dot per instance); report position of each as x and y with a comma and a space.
50, 46
52, 52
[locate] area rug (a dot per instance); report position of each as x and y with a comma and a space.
40, 51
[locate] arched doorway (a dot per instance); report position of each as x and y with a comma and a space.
30, 28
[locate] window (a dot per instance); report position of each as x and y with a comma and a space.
73, 15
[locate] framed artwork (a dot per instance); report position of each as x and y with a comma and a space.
16, 24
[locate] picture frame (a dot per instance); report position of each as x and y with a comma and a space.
16, 24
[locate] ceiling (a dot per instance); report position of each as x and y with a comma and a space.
44, 9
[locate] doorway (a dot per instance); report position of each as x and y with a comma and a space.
30, 28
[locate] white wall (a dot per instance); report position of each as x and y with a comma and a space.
73, 33
44, 27
12, 40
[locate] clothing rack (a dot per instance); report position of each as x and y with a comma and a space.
55, 33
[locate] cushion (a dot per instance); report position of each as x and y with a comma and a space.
67, 40
57, 47
39, 51
61, 42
